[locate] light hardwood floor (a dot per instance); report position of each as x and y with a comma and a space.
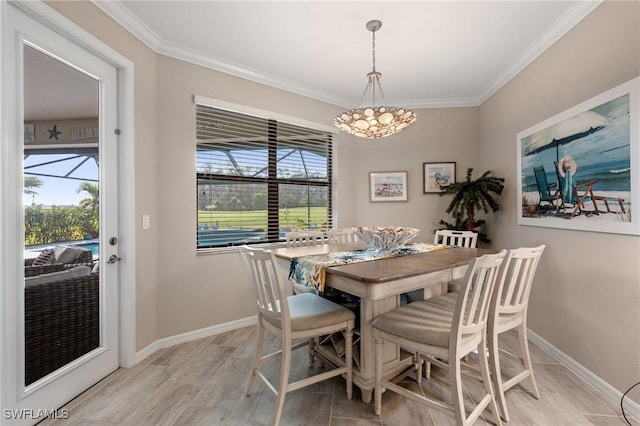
202, 383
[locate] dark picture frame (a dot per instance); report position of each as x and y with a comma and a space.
437, 176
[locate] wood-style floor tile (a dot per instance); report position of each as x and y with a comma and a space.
203, 383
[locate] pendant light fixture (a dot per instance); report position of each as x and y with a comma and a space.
374, 119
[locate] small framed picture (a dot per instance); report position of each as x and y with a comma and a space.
438, 175
388, 186
29, 133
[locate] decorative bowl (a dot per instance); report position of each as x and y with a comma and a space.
385, 238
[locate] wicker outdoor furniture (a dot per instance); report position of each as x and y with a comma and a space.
61, 305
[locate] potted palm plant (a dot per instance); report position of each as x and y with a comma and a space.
470, 196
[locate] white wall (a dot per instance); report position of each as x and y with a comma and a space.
586, 297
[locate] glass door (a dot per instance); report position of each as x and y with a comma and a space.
66, 239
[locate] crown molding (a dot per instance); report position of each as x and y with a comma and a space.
135, 26
559, 28
130, 22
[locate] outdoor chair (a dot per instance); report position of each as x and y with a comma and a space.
547, 197
581, 193
61, 317
298, 320
444, 337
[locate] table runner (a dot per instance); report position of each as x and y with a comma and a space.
311, 270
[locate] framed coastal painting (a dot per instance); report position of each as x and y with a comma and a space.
580, 169
438, 175
388, 186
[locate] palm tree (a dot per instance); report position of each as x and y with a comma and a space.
470, 196
93, 202
90, 207
30, 183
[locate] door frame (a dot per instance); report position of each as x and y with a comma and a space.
126, 189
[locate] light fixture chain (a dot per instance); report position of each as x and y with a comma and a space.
371, 120
373, 56
384, 100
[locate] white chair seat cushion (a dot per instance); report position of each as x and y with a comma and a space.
309, 311
422, 322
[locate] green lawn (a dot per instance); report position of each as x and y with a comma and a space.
293, 218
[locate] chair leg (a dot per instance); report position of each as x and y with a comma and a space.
526, 357
496, 375
348, 358
256, 360
311, 355
285, 366
455, 378
486, 380
377, 396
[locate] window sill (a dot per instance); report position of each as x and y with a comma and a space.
236, 249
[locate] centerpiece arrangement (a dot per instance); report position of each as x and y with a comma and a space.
385, 238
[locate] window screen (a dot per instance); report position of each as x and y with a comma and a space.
258, 178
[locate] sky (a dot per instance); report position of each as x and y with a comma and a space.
59, 191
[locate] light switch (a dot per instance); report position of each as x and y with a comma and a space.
146, 223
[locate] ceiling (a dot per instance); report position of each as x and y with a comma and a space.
53, 90
430, 53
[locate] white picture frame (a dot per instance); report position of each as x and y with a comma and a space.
589, 157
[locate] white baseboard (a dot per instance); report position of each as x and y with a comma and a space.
165, 342
631, 409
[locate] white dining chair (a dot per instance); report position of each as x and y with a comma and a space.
508, 311
443, 336
304, 238
301, 318
301, 239
341, 236
450, 237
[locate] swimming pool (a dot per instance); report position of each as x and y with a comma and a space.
94, 246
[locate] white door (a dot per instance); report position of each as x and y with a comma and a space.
56, 143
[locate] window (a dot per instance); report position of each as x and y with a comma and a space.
258, 178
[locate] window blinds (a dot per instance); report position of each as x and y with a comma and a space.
258, 178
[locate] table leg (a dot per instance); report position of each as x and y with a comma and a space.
369, 309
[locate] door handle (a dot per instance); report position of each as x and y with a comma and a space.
113, 259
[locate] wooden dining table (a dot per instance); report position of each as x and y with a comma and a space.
379, 284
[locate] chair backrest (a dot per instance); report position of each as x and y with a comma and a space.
512, 293
305, 238
541, 182
472, 306
272, 297
340, 236
566, 186
449, 237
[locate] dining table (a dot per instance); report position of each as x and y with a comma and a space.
378, 284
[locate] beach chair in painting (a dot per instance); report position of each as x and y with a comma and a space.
550, 196
577, 194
